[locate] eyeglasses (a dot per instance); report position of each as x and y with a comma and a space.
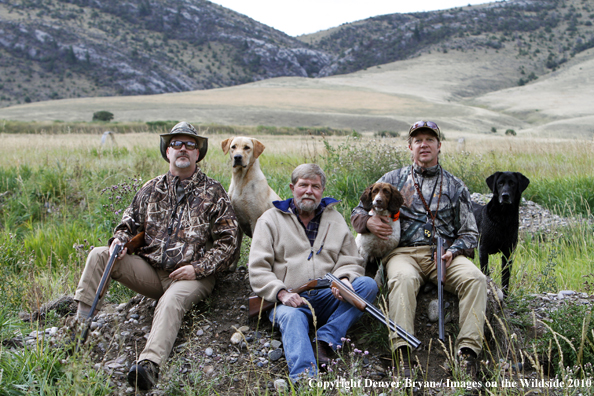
177, 144
424, 124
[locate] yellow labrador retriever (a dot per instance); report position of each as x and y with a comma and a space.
249, 191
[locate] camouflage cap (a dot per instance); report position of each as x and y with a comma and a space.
184, 128
426, 125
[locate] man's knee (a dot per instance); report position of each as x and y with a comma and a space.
475, 279
402, 280
478, 281
98, 254
366, 286
289, 317
185, 295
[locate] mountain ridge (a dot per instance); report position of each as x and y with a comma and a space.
78, 48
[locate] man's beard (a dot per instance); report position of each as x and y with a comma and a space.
181, 164
307, 206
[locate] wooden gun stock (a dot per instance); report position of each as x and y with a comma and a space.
257, 305
350, 296
135, 243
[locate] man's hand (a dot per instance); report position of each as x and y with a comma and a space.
336, 292
290, 299
186, 272
445, 258
380, 226
122, 253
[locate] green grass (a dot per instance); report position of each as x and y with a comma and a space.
42, 370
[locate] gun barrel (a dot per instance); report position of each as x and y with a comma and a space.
440, 276
100, 292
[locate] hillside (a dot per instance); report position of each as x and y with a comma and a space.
59, 49
80, 48
444, 87
544, 33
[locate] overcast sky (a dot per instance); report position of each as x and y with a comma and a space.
296, 17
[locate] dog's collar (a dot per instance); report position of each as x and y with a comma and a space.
394, 217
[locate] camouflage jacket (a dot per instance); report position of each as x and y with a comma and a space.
185, 222
454, 221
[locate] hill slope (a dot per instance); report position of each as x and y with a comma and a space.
72, 48
82, 48
386, 98
537, 82
544, 32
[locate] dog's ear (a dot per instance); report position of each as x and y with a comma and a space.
258, 148
396, 200
366, 198
491, 181
522, 180
225, 144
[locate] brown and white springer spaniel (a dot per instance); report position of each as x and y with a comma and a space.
380, 199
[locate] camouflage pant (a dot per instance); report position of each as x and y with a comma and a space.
175, 297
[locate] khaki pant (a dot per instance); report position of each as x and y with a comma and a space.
175, 298
410, 267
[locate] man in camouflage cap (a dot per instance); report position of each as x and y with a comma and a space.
435, 202
191, 233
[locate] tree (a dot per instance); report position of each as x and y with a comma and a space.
103, 115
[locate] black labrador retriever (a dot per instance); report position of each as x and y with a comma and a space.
498, 221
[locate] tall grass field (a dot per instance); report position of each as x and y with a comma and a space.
62, 192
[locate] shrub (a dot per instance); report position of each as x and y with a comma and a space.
161, 125
354, 165
386, 134
510, 132
103, 115
574, 323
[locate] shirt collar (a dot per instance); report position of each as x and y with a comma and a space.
285, 206
426, 172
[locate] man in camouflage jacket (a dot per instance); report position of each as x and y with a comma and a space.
191, 233
434, 202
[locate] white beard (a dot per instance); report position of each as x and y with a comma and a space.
182, 162
307, 206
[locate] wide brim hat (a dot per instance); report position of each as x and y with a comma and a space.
425, 125
183, 128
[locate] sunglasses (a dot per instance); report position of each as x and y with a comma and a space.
424, 124
177, 144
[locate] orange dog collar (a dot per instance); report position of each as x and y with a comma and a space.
396, 216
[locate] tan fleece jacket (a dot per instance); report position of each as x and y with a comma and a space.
280, 252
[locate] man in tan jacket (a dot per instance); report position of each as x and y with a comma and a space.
300, 239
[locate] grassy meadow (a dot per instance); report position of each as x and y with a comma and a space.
62, 193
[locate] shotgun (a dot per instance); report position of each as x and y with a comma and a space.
440, 278
257, 305
132, 245
350, 296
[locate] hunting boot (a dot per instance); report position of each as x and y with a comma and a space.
143, 375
